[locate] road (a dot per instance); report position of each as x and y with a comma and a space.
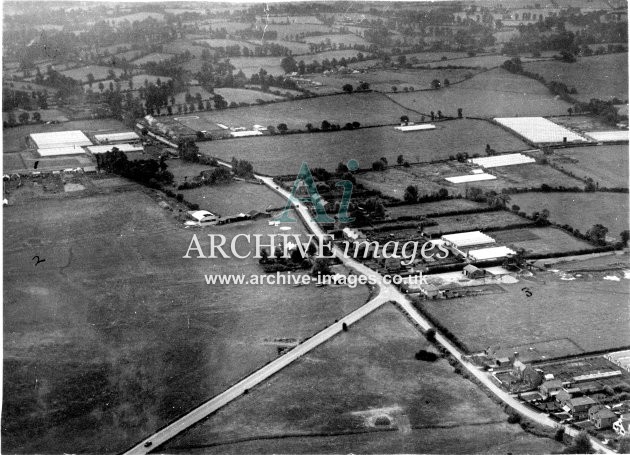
387, 292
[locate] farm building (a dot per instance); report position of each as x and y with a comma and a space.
117, 138
486, 254
475, 177
203, 217
95, 149
473, 272
407, 128
539, 130
245, 133
59, 139
60, 151
467, 239
502, 160
621, 358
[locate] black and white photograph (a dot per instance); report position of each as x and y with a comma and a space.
315, 227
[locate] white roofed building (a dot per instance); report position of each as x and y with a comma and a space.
202, 217
116, 138
60, 151
421, 127
467, 239
486, 254
96, 149
59, 139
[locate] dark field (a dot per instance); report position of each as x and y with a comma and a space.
580, 210
116, 334
283, 155
561, 317
344, 385
599, 76
605, 164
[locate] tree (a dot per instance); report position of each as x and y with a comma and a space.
347, 88
283, 128
460, 113
37, 117
436, 84
411, 194
23, 117
447, 82
404, 119
570, 111
430, 335
90, 79
624, 236
289, 65
321, 266
581, 444
597, 234
400, 159
101, 86
325, 125
378, 166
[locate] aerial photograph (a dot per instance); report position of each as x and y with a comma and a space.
315, 227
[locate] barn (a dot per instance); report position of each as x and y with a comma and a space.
59, 140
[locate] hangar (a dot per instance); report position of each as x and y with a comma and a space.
59, 139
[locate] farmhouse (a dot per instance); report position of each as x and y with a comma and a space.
117, 138
59, 139
203, 217
602, 417
550, 388
578, 407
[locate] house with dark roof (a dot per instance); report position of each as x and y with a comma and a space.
550, 388
578, 407
602, 417
472, 272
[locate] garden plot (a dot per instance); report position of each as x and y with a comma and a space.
539, 130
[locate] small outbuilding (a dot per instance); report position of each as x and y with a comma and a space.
472, 272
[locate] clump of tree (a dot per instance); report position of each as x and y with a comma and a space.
148, 172
242, 168
426, 356
597, 234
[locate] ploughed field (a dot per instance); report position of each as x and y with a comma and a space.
115, 334
280, 155
363, 391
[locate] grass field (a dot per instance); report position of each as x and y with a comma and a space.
366, 108
479, 61
560, 317
384, 80
606, 164
117, 334
155, 57
291, 30
240, 95
599, 76
234, 198
344, 385
580, 210
430, 178
494, 93
475, 221
131, 18
433, 207
283, 155
348, 39
540, 240
14, 139
226, 43
295, 47
99, 72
